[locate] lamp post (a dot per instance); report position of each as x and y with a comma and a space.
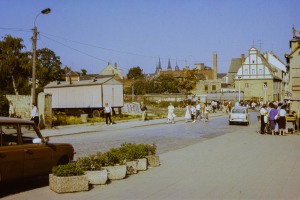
265, 89
34, 38
239, 88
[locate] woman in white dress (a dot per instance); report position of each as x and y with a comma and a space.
187, 113
171, 114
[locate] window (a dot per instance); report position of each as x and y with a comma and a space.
205, 87
253, 61
213, 87
253, 71
260, 71
246, 71
246, 85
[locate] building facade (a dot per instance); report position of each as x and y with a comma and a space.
260, 77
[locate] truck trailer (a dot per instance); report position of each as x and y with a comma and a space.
88, 96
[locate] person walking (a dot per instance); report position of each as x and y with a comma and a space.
198, 111
171, 115
144, 111
11, 110
205, 112
193, 113
282, 120
187, 112
35, 115
107, 111
263, 112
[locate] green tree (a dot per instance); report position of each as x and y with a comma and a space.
14, 66
135, 73
190, 80
164, 83
48, 67
84, 71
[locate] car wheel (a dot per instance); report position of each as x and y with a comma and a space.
63, 161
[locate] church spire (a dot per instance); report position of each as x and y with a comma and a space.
169, 65
158, 67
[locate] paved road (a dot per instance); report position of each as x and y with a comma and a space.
240, 164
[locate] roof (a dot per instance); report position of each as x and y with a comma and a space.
99, 81
235, 65
9, 120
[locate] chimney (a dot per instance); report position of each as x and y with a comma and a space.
243, 58
215, 60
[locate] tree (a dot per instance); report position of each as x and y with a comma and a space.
48, 67
14, 66
190, 80
135, 73
164, 83
84, 71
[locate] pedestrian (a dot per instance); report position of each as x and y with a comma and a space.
11, 110
171, 115
206, 111
144, 111
282, 120
193, 113
187, 112
198, 111
35, 115
107, 111
263, 112
272, 114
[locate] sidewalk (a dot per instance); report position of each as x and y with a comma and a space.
237, 165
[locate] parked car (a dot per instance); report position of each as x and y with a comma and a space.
240, 115
24, 152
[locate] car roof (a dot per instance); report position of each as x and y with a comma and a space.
10, 120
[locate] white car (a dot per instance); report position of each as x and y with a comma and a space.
240, 115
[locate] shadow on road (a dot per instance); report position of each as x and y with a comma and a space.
24, 185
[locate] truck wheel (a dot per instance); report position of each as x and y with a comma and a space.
96, 113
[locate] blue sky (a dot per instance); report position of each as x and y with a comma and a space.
90, 33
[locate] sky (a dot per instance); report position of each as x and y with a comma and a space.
87, 34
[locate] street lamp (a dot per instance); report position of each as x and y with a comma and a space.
239, 88
265, 89
33, 92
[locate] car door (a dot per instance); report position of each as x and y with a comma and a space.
37, 157
11, 154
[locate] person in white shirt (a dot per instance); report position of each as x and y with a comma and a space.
171, 114
193, 113
107, 110
198, 111
35, 115
263, 111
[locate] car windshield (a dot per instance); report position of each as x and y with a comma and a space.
239, 110
9, 134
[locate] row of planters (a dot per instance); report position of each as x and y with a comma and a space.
99, 168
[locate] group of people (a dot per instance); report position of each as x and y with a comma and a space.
273, 117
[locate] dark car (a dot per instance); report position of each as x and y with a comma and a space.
24, 152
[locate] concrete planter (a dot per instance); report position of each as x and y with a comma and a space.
153, 161
132, 167
142, 164
116, 172
68, 184
97, 177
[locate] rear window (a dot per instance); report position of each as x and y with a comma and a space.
239, 110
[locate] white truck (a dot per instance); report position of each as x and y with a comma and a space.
88, 96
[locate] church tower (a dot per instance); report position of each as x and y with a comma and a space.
158, 67
169, 65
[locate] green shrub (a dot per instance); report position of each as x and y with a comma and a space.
89, 163
70, 169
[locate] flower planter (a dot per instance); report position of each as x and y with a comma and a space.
153, 161
131, 167
116, 172
142, 164
68, 184
97, 177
